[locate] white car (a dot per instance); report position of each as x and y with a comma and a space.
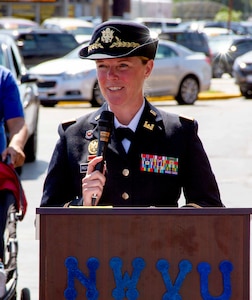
177, 72
10, 58
12, 23
157, 25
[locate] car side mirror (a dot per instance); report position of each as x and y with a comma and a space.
26, 78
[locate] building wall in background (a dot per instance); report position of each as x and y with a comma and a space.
38, 10
151, 8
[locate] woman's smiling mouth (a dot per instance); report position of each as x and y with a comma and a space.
115, 88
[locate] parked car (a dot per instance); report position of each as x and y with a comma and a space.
246, 27
12, 23
157, 25
231, 48
177, 71
242, 72
10, 58
82, 30
216, 31
219, 46
93, 20
239, 28
191, 39
67, 79
39, 45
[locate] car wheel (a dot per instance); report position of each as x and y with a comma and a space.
30, 148
218, 69
188, 91
48, 103
97, 99
247, 93
25, 294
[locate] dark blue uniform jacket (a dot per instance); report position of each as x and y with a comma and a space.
165, 157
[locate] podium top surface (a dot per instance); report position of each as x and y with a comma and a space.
142, 211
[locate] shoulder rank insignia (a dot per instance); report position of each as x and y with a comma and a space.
186, 117
66, 124
153, 112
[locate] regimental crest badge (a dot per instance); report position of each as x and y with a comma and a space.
92, 147
107, 35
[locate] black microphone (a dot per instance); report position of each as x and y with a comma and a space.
105, 125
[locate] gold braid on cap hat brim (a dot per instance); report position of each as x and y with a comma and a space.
117, 44
95, 45
121, 44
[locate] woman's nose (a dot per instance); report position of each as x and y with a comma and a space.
112, 73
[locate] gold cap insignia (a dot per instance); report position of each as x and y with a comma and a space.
107, 35
113, 41
92, 147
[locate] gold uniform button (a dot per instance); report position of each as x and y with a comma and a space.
125, 196
125, 172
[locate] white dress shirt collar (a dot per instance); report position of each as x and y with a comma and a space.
134, 122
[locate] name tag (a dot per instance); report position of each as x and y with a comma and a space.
83, 168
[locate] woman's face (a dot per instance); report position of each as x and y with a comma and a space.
121, 79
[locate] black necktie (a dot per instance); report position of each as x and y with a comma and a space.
124, 133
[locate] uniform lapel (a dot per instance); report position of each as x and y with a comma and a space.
150, 126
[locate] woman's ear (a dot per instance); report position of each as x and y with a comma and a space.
149, 67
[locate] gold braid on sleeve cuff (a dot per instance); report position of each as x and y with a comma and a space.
192, 205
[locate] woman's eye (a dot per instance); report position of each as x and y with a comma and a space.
101, 66
123, 66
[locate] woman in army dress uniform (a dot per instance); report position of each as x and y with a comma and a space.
161, 158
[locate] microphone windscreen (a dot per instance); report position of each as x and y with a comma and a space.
105, 125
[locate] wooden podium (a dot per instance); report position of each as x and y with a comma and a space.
144, 253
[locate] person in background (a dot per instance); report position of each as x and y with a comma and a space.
12, 119
160, 156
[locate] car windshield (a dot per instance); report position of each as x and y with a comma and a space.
220, 43
47, 42
79, 30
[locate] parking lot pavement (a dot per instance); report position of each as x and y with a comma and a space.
223, 88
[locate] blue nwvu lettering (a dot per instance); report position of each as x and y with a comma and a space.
204, 269
126, 286
73, 271
172, 292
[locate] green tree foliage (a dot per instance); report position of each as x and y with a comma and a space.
244, 6
224, 15
242, 9
197, 10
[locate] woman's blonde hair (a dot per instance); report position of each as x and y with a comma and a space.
144, 59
